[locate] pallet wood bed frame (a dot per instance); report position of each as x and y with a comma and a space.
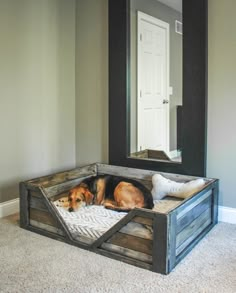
173, 233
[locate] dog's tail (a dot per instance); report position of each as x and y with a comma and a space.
117, 209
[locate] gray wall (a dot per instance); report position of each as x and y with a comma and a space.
91, 81
169, 15
221, 162
37, 90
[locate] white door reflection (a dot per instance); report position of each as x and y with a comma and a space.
156, 80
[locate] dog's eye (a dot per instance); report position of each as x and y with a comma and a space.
78, 200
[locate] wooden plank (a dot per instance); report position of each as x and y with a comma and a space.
24, 212
142, 174
83, 239
42, 217
142, 220
132, 242
63, 187
186, 220
138, 230
61, 177
37, 203
125, 259
194, 201
171, 230
215, 202
35, 193
160, 244
56, 215
197, 224
128, 252
193, 236
46, 227
126, 219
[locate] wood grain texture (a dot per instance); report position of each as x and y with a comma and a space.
197, 225
138, 230
131, 242
42, 217
128, 252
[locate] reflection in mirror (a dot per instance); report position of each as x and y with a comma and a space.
156, 79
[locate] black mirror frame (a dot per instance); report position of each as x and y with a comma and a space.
194, 89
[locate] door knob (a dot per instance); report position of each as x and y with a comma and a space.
165, 101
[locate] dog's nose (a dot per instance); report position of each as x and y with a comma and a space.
70, 209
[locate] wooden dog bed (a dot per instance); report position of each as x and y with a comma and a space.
152, 239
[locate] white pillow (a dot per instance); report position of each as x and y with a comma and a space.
163, 187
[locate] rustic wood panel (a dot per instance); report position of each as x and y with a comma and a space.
198, 223
160, 243
142, 174
46, 227
138, 230
132, 242
185, 220
125, 259
38, 203
192, 202
128, 252
35, 193
193, 237
61, 177
142, 220
24, 205
63, 187
42, 217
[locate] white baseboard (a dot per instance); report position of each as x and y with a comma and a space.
9, 207
227, 215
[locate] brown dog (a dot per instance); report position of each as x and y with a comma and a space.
116, 193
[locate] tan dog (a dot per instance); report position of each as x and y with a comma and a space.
117, 193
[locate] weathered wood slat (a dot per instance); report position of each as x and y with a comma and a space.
24, 205
46, 227
142, 220
61, 177
42, 217
141, 174
62, 187
128, 252
35, 193
125, 259
38, 203
198, 223
194, 202
83, 239
132, 242
193, 236
160, 244
138, 230
185, 220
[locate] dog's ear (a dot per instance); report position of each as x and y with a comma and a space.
88, 197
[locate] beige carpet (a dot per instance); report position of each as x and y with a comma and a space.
33, 263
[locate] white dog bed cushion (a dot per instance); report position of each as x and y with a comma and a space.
90, 221
163, 187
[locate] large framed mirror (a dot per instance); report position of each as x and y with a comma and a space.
158, 85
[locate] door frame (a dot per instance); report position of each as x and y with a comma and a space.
153, 20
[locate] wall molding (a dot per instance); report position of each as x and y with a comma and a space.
227, 215
9, 207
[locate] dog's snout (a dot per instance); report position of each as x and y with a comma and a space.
70, 209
